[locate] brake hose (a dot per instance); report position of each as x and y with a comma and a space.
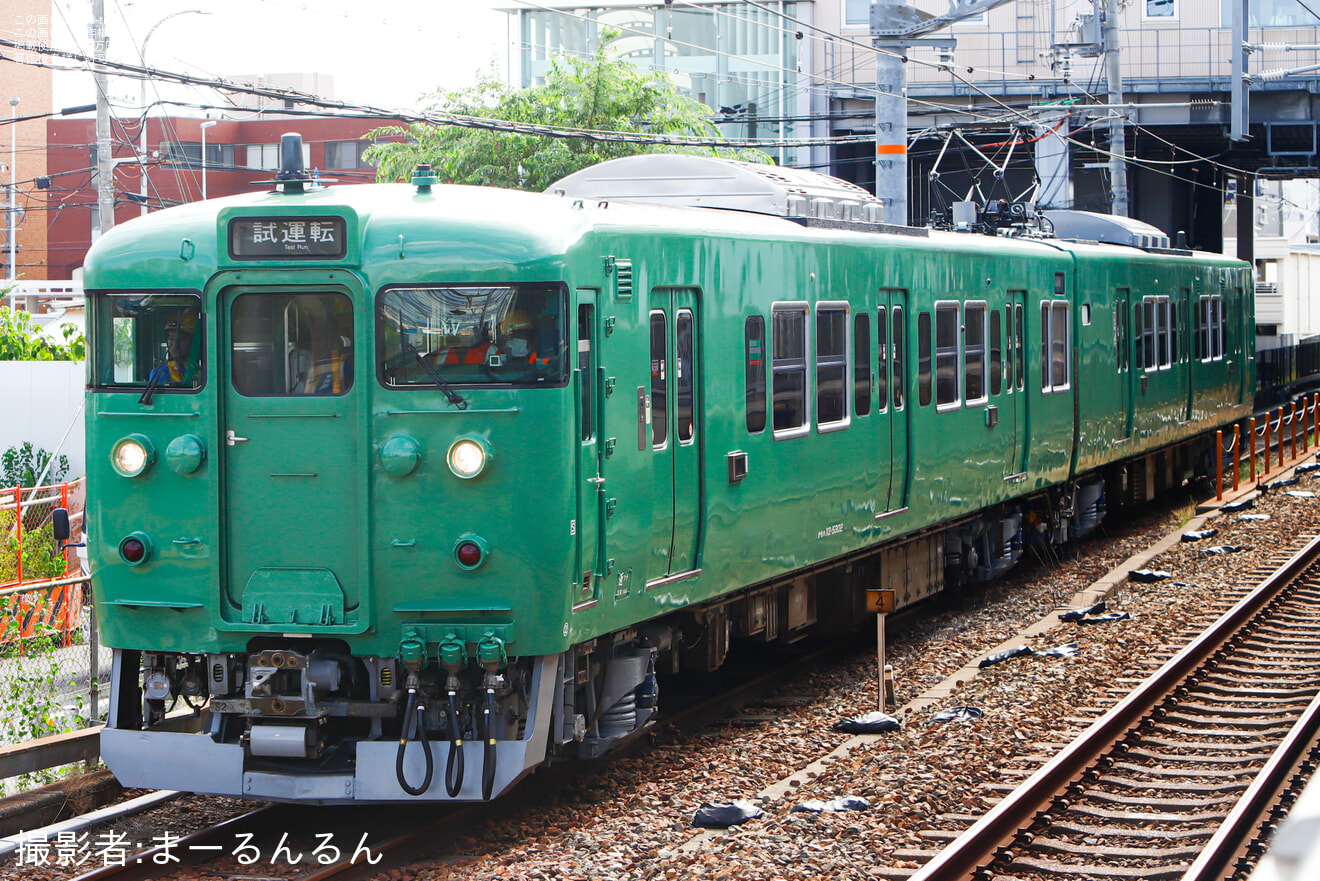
488, 767
419, 706
454, 766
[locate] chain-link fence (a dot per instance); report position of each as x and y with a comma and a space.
51, 666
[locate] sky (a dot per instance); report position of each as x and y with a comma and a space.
386, 53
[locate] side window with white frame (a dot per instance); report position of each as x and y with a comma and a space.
856, 13
974, 354
975, 20
1060, 346
1157, 325
832, 366
1217, 325
947, 385
1165, 311
1210, 328
1056, 343
1159, 10
788, 369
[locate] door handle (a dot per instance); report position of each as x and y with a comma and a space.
231, 438
599, 481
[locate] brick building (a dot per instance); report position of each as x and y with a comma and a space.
238, 152
27, 22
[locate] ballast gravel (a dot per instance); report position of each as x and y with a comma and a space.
634, 819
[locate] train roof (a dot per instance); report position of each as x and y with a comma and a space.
712, 182
500, 227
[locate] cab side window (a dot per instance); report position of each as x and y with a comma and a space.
754, 363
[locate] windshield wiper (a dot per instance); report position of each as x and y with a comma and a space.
440, 382
154, 381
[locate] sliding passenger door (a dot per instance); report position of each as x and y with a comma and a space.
1013, 419
1182, 356
675, 431
1127, 375
891, 387
589, 523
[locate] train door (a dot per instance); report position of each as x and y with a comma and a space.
1244, 307
1182, 342
589, 524
1013, 419
891, 366
1127, 372
294, 485
674, 324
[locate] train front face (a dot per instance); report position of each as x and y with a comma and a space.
330, 437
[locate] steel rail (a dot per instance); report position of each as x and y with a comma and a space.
977, 846
1238, 829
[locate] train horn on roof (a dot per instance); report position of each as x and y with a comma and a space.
291, 157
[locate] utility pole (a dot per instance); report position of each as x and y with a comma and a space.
896, 28
891, 119
12, 226
104, 218
1117, 125
1240, 115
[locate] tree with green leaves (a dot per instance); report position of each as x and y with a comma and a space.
22, 340
598, 94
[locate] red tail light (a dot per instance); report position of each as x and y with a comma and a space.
469, 554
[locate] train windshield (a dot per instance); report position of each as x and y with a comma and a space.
139, 339
472, 335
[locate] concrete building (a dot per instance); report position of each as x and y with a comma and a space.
23, 147
808, 69
1286, 223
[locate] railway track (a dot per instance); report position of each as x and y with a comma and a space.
1185, 775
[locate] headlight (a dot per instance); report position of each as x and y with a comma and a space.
132, 456
467, 458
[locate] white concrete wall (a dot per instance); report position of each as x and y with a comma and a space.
39, 400
1300, 282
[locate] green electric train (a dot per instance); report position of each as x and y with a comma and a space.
410, 489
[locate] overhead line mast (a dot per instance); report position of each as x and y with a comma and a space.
896, 28
1118, 125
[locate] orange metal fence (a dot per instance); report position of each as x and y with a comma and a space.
41, 588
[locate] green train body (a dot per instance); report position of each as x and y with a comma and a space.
684, 427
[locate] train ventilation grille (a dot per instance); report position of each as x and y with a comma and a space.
623, 279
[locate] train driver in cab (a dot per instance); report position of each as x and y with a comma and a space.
180, 363
513, 345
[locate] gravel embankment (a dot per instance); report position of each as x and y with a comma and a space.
633, 821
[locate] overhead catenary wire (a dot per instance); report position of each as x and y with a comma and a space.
460, 120
833, 140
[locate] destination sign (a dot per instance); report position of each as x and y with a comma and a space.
287, 238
